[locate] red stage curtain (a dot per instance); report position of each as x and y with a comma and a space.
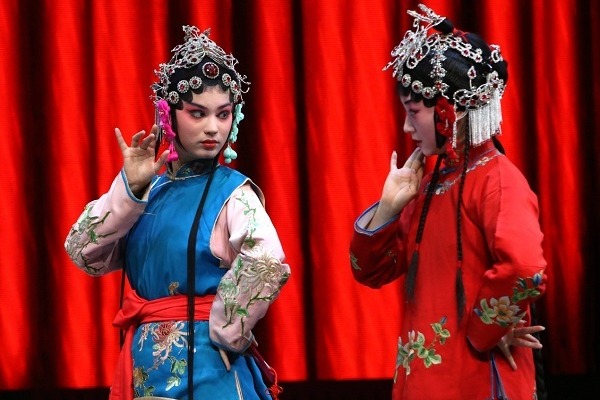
321, 121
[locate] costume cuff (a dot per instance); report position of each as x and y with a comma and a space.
363, 220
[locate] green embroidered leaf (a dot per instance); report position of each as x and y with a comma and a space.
436, 359
242, 312
353, 262
484, 306
427, 362
486, 319
520, 296
172, 381
422, 352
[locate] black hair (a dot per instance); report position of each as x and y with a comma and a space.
196, 71
187, 74
456, 66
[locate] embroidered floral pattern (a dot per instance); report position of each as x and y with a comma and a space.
353, 262
82, 234
178, 368
250, 212
166, 335
140, 376
443, 187
168, 339
416, 346
505, 311
173, 288
257, 277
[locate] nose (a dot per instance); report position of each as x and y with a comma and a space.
408, 127
212, 127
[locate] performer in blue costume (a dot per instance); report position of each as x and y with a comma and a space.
200, 252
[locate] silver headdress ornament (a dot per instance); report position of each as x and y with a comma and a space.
196, 47
481, 102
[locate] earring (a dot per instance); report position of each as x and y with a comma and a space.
229, 154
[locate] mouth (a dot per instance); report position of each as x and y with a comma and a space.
209, 144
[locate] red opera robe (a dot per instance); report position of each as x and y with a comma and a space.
440, 356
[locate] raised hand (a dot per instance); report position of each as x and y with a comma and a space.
139, 161
400, 187
519, 336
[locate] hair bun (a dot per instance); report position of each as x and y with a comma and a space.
446, 26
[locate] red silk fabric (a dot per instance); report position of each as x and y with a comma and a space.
322, 119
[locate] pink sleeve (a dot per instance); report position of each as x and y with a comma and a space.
256, 274
93, 243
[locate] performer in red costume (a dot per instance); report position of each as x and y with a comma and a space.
464, 239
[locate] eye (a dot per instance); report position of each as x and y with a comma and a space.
224, 114
197, 113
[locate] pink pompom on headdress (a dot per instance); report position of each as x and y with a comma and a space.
164, 123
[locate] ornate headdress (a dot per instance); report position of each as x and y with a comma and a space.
194, 63
421, 64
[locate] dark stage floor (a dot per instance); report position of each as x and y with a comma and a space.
559, 388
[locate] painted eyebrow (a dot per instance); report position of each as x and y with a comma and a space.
408, 101
200, 106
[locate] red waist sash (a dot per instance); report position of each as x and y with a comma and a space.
136, 311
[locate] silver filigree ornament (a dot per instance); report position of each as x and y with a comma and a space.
482, 102
197, 45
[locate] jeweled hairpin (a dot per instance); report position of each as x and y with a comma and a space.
482, 102
192, 52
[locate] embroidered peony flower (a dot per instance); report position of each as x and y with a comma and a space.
504, 311
166, 335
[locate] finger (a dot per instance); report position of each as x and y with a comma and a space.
417, 160
225, 359
415, 156
511, 361
506, 352
162, 160
532, 344
148, 142
135, 139
529, 341
529, 329
420, 172
394, 161
412, 157
122, 145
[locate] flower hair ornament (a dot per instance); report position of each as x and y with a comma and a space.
421, 62
196, 62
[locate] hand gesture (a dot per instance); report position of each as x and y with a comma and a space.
519, 336
401, 185
138, 159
